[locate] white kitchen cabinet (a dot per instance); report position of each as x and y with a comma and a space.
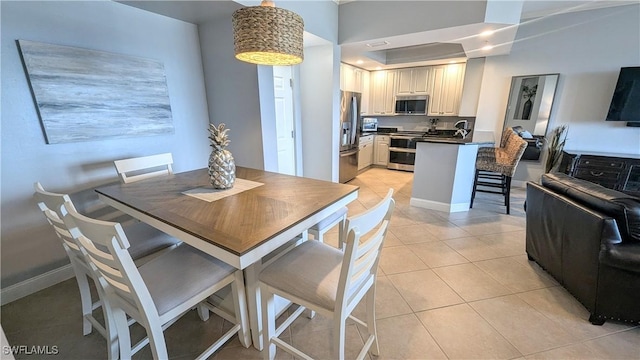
413, 81
346, 78
383, 90
445, 83
351, 78
356, 80
366, 84
365, 153
381, 150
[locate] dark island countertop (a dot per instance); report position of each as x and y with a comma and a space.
475, 138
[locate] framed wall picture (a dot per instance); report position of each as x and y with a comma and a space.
88, 95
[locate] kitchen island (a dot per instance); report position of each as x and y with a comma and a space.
444, 171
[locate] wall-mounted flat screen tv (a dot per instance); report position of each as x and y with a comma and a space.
625, 104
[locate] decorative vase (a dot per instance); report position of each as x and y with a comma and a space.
526, 109
222, 167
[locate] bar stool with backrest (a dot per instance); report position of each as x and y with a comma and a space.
147, 244
331, 282
337, 218
495, 166
140, 168
159, 292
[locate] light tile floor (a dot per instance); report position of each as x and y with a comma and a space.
455, 286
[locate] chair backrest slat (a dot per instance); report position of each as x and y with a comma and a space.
114, 266
51, 205
140, 168
368, 219
360, 261
365, 261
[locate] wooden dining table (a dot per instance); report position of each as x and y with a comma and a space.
240, 229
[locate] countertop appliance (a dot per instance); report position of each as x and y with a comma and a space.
369, 124
350, 126
411, 105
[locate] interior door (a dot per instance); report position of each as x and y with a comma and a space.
285, 133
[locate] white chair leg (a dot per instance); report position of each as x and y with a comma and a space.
122, 328
111, 331
240, 308
268, 324
371, 319
339, 334
156, 341
342, 233
310, 313
85, 299
203, 312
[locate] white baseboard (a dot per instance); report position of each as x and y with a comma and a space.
519, 183
35, 284
439, 206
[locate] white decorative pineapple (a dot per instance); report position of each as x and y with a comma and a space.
222, 168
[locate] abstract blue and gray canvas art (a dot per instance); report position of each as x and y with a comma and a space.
88, 95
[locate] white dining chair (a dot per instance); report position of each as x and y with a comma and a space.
331, 282
140, 168
159, 292
337, 218
148, 242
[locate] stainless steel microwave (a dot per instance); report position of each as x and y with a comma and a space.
412, 105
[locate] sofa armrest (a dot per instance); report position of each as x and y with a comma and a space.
622, 207
623, 256
565, 238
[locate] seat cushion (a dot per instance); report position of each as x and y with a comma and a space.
145, 240
625, 209
330, 219
180, 274
310, 272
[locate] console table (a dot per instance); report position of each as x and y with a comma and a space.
614, 171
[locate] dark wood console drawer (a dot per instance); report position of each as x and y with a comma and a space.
620, 173
596, 173
587, 161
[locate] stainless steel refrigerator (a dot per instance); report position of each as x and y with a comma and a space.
349, 135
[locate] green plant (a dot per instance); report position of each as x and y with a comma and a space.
529, 91
556, 145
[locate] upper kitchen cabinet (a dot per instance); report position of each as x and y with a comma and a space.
413, 81
445, 83
383, 90
366, 86
351, 78
356, 80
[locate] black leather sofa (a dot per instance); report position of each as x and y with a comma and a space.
588, 238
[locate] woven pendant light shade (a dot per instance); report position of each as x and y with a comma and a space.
268, 35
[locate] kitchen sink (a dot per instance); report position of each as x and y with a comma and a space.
440, 134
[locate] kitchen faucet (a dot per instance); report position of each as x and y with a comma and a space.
464, 123
462, 130
432, 129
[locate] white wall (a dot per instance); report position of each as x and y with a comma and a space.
232, 93
319, 113
29, 246
241, 94
588, 49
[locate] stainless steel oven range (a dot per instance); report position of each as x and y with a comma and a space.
402, 150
